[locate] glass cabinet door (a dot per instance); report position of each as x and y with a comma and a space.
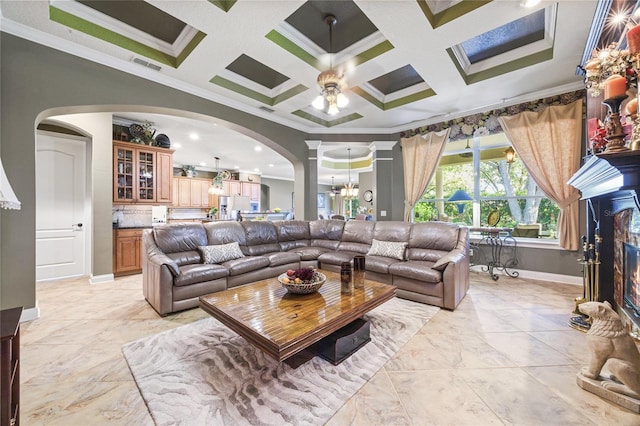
146, 172
124, 182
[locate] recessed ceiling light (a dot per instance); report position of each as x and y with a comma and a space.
236, 167
258, 148
203, 164
194, 136
270, 165
176, 146
256, 169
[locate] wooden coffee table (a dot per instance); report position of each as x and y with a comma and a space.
282, 324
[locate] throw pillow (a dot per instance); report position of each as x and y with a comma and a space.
221, 253
387, 249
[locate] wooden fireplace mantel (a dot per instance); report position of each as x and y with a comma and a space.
607, 173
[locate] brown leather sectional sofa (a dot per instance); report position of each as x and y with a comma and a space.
434, 268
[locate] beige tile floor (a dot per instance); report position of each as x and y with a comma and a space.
505, 356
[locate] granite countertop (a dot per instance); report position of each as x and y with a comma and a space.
115, 226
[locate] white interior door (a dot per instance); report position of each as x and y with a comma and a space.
60, 207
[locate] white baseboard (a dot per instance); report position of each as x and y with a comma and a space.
97, 279
535, 275
30, 314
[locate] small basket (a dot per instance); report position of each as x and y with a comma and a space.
304, 288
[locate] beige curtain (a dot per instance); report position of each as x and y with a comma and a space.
548, 142
420, 156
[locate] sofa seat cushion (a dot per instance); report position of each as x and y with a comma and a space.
310, 253
379, 263
416, 270
282, 258
337, 257
197, 273
246, 264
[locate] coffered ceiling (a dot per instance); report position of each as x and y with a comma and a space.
406, 63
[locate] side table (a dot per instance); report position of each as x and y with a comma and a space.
10, 366
497, 239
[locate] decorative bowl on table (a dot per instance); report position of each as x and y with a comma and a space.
302, 280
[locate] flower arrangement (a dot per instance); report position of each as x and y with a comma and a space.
277, 210
607, 62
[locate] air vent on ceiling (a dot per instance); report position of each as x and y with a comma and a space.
264, 108
146, 64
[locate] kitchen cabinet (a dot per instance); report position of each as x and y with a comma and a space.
251, 190
192, 193
127, 251
142, 174
10, 366
231, 187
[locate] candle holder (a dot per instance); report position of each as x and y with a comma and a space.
615, 134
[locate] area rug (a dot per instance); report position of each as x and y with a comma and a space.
205, 374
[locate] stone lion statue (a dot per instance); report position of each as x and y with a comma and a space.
609, 341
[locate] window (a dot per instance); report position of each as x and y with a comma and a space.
479, 167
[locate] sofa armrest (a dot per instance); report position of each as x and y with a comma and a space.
455, 277
158, 271
155, 255
454, 256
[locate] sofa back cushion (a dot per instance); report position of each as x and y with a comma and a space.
430, 241
326, 233
292, 234
261, 237
357, 236
180, 241
225, 232
395, 231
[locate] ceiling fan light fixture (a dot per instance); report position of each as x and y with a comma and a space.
329, 81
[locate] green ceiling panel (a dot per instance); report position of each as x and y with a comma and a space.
250, 93
293, 48
225, 5
516, 64
302, 114
113, 37
300, 53
395, 103
375, 51
451, 13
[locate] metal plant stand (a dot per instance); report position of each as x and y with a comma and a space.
501, 244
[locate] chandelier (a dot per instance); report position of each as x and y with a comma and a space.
217, 187
329, 81
350, 190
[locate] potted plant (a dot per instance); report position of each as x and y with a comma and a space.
213, 211
188, 170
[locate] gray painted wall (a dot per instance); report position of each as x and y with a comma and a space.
279, 193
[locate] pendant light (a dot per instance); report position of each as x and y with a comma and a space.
217, 188
350, 190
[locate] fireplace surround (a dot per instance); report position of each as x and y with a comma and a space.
610, 184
